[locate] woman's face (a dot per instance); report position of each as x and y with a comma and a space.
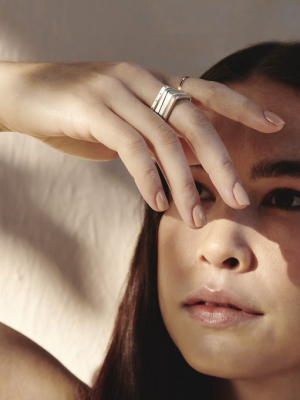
263, 239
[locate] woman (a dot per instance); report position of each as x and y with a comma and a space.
165, 345
164, 348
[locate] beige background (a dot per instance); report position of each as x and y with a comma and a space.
68, 226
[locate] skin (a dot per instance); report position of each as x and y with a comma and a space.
261, 360
29, 372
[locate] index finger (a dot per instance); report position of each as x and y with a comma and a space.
215, 96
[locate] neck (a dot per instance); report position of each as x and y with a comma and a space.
276, 387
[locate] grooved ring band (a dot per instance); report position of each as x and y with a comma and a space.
166, 100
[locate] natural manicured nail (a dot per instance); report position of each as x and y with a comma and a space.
198, 217
240, 195
273, 118
161, 201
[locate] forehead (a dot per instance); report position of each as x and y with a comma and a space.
244, 143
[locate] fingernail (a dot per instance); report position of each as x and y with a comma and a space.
199, 217
273, 118
161, 201
240, 195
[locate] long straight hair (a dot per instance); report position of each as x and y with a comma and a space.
142, 362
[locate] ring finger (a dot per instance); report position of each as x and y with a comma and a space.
164, 143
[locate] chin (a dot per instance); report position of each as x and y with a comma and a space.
221, 367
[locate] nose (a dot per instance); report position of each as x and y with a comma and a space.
225, 247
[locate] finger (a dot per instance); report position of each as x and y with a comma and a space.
210, 150
208, 95
215, 96
117, 135
163, 141
225, 101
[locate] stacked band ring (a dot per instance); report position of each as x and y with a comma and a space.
166, 100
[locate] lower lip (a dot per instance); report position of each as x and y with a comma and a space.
219, 317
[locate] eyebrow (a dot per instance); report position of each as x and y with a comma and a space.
269, 169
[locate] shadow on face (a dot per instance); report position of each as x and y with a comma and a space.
262, 240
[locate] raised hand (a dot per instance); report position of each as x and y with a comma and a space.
101, 110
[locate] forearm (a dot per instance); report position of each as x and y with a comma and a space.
8, 82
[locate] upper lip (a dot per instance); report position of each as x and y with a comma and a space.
221, 296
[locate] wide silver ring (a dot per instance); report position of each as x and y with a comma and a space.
166, 100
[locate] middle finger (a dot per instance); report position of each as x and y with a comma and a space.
209, 148
164, 143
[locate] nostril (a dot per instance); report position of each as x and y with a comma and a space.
232, 262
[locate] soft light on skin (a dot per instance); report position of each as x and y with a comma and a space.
260, 360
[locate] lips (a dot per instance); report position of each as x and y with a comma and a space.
221, 298
207, 303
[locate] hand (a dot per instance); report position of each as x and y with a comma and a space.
100, 110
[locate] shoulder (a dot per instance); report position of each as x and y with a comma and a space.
29, 372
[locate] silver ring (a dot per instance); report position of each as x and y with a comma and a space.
166, 100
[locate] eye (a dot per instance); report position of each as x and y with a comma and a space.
203, 189
285, 199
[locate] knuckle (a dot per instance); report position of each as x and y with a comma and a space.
129, 67
213, 92
111, 87
197, 117
165, 135
227, 164
110, 84
188, 188
247, 104
247, 107
150, 174
132, 141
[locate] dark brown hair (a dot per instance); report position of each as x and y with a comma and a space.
142, 362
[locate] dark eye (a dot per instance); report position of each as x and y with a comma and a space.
202, 189
285, 198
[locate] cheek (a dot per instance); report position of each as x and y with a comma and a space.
175, 254
171, 261
176, 269
168, 251
246, 352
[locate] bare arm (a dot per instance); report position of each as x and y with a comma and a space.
29, 372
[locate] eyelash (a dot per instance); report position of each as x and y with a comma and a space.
271, 195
